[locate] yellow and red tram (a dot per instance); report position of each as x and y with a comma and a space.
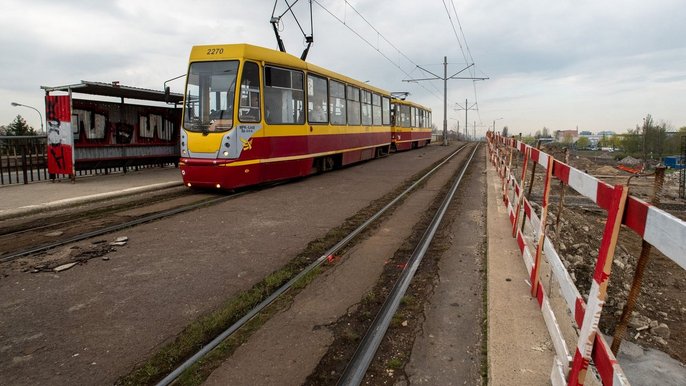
411, 125
253, 115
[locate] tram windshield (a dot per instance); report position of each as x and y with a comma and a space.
210, 96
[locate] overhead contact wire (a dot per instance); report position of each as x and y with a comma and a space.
375, 48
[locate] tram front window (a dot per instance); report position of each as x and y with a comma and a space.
210, 95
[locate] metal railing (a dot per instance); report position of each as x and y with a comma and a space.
23, 159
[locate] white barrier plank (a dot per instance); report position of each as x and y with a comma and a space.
583, 183
567, 287
666, 233
554, 328
558, 376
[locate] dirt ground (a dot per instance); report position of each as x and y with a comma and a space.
94, 322
659, 319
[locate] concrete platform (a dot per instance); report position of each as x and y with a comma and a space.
21, 200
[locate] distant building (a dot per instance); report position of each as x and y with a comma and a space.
585, 133
567, 135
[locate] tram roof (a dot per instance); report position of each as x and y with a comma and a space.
410, 103
114, 89
273, 57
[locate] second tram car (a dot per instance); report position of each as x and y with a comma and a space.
253, 115
411, 126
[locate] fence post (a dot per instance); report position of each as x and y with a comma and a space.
643, 259
23, 165
536, 270
531, 182
598, 292
520, 199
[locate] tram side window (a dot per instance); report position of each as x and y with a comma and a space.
376, 109
353, 97
283, 96
337, 103
317, 110
414, 117
421, 118
404, 116
250, 93
366, 107
385, 111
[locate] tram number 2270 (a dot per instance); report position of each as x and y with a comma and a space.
215, 51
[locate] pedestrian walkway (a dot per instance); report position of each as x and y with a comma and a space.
20, 200
519, 347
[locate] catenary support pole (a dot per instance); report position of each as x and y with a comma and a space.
445, 79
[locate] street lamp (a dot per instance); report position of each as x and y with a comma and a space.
15, 104
494, 123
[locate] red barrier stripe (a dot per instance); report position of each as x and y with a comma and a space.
604, 195
600, 275
579, 311
578, 364
512, 218
520, 242
602, 361
635, 215
539, 294
534, 154
561, 171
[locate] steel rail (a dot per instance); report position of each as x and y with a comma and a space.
175, 193
252, 313
117, 227
357, 367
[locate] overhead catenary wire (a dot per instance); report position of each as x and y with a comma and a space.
459, 42
464, 38
466, 45
372, 45
462, 49
380, 35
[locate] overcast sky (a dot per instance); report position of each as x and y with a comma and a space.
598, 65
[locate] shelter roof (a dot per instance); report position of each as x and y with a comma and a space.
114, 89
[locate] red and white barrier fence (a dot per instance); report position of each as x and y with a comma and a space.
662, 230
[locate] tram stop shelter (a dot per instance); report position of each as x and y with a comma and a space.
94, 125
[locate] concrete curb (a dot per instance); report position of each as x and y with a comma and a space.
70, 202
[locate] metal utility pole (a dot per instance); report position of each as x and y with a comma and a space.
445, 79
466, 109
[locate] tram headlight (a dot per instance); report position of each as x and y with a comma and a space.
226, 153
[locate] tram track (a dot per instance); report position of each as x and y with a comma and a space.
21, 240
327, 256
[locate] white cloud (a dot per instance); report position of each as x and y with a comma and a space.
599, 65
